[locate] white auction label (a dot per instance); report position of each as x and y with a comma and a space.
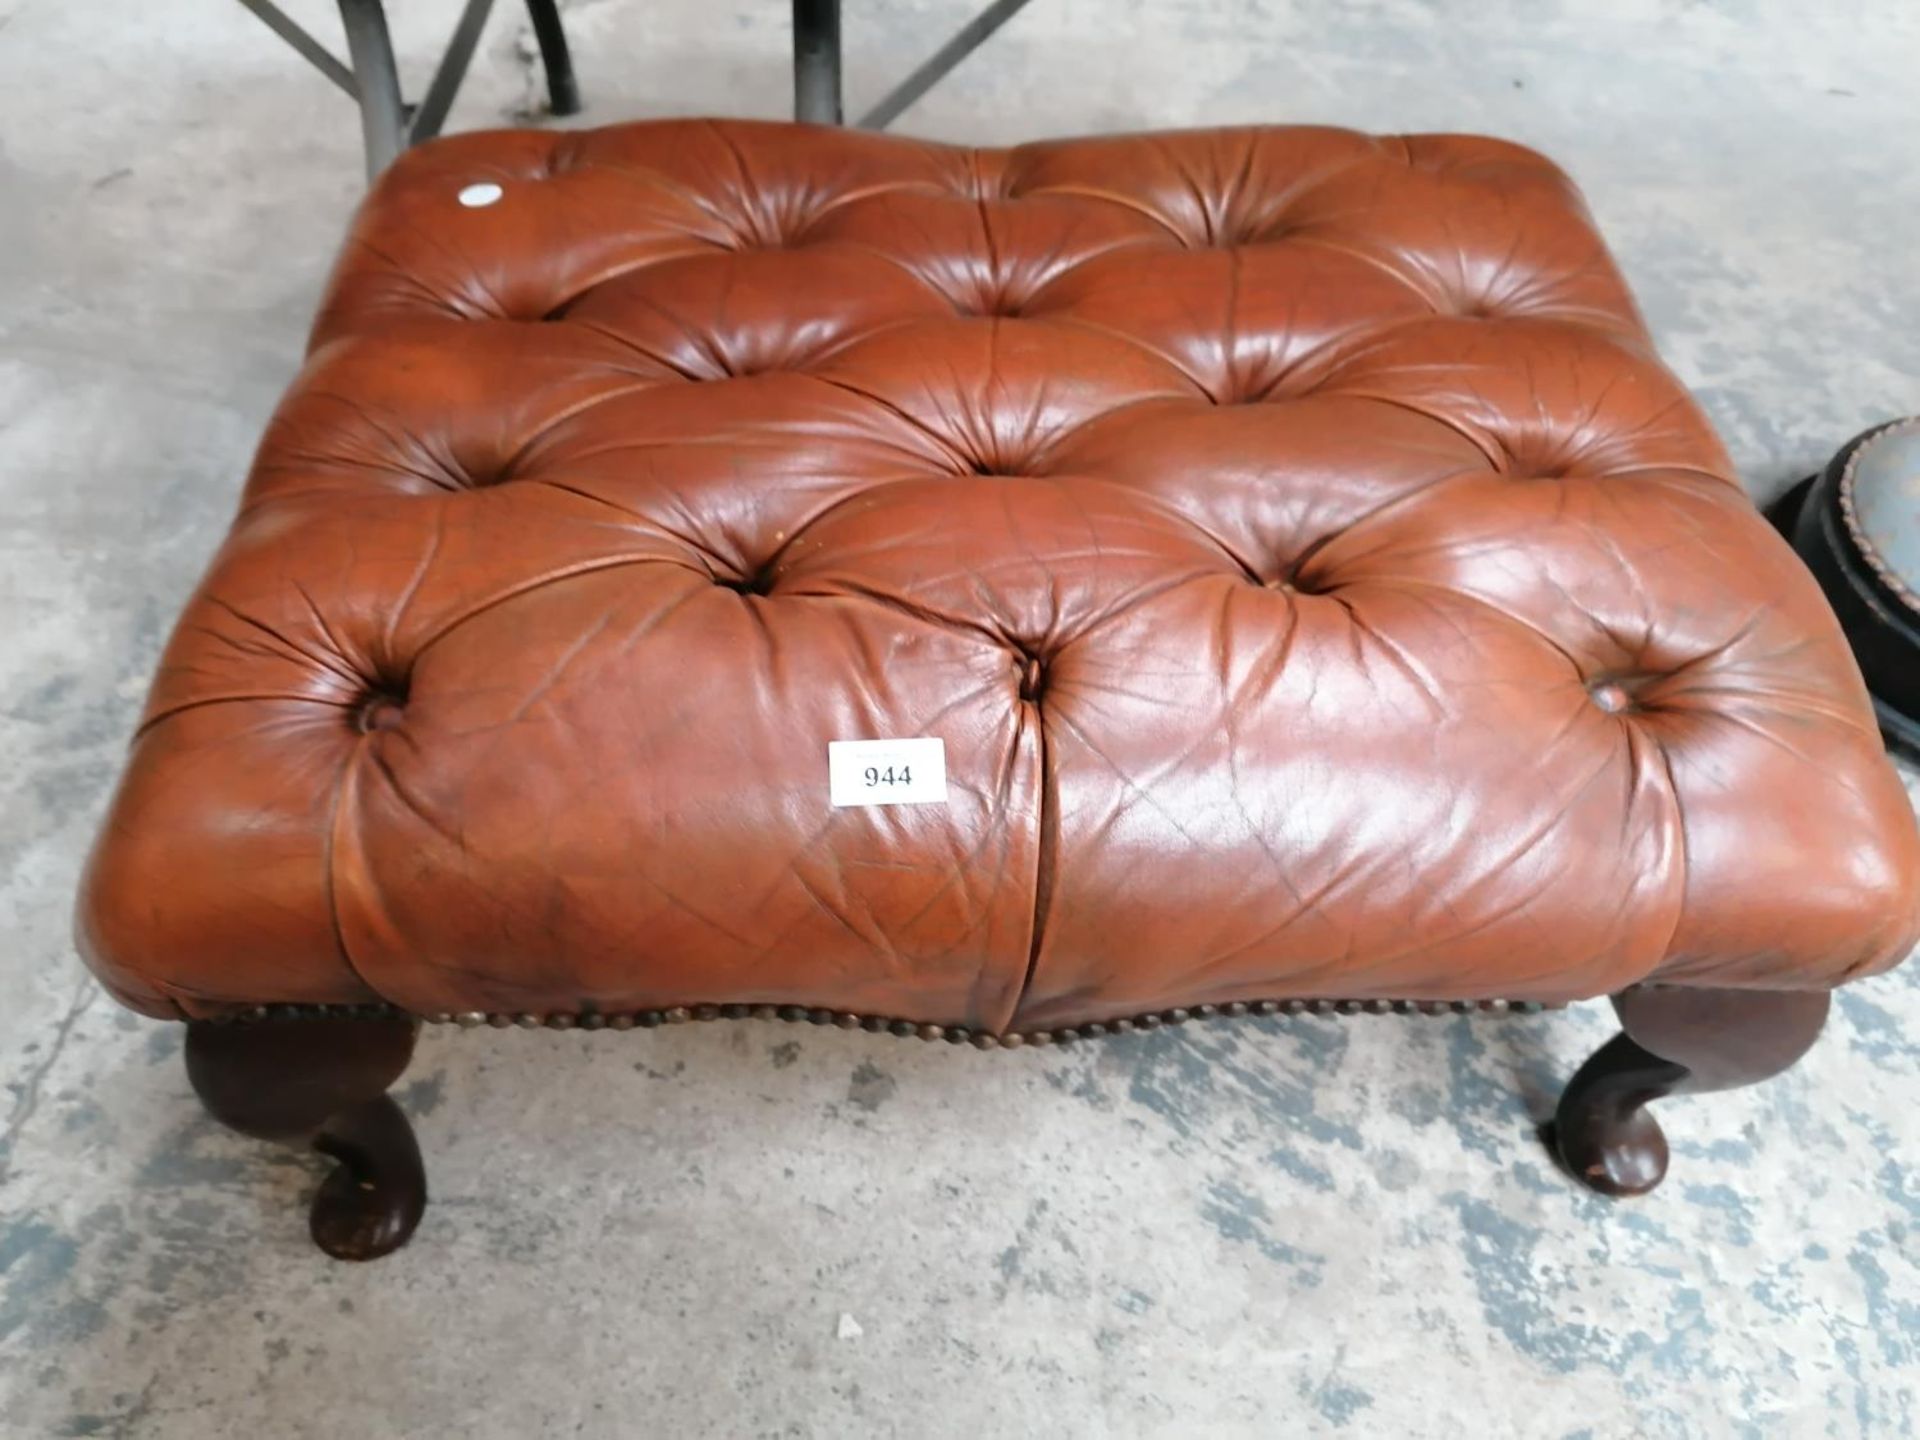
887, 772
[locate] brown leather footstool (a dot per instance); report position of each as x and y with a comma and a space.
722, 570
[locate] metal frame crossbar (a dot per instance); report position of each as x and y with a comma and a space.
389, 124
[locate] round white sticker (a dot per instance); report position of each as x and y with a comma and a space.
485, 193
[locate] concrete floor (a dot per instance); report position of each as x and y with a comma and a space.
1295, 1228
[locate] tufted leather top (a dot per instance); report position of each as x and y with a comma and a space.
1318, 584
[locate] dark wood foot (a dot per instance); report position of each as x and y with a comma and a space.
323, 1084
1674, 1041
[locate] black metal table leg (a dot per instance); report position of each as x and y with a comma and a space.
388, 124
935, 67
816, 61
309, 49
563, 91
383, 115
450, 73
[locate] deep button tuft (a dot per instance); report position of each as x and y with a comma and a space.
487, 479
998, 469
785, 232
562, 159
1288, 581
384, 709
1298, 383
1618, 695
1235, 394
1033, 679
1539, 462
999, 305
758, 583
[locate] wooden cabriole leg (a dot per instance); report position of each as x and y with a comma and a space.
1674, 1041
322, 1083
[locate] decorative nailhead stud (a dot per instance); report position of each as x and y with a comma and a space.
849, 1020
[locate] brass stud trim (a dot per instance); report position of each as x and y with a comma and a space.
849, 1020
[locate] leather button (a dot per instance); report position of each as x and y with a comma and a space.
1612, 697
381, 712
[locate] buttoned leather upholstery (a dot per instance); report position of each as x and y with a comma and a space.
1319, 585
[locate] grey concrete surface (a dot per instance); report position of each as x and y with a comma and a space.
1275, 1229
